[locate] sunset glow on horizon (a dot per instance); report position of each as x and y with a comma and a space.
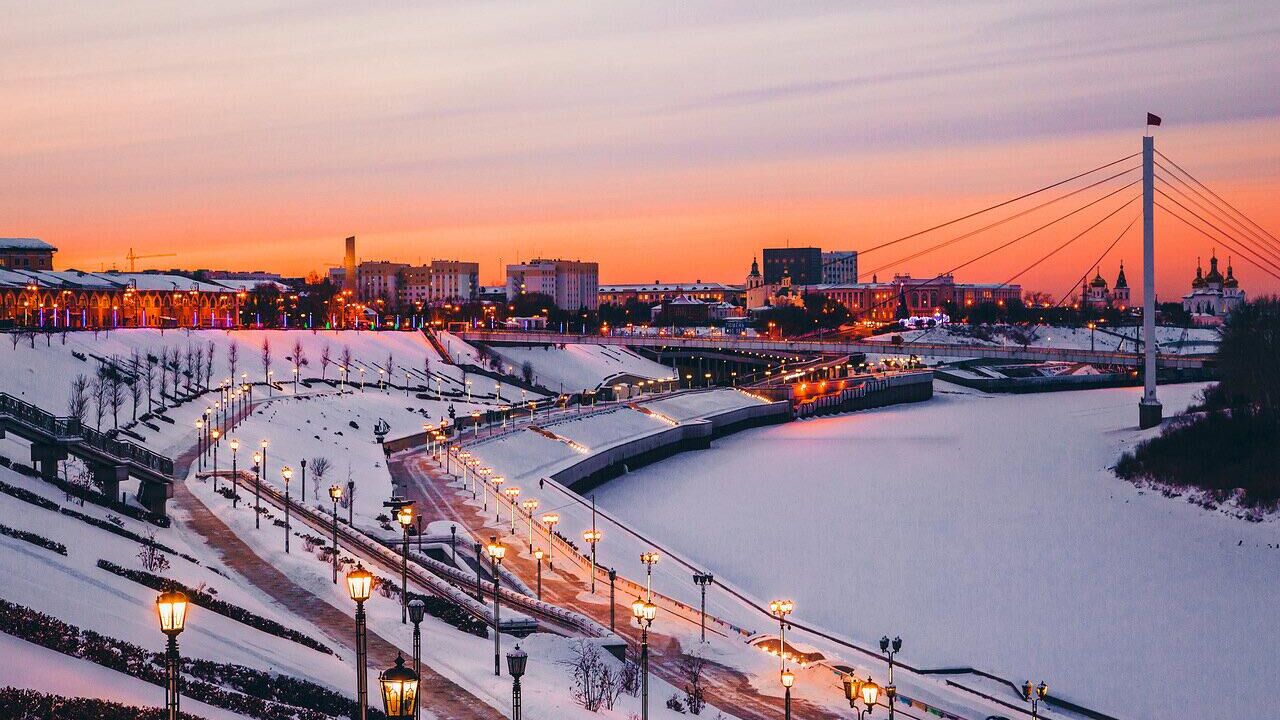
648, 137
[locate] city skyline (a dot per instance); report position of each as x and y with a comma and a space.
664, 142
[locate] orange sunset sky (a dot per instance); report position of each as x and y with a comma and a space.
667, 141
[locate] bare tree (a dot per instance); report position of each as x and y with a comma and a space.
198, 366
149, 377
115, 391
191, 367
319, 468
426, 370
98, 386
298, 358
135, 381
78, 400
526, 372
153, 560
595, 682
346, 362
691, 668
233, 358
175, 368
208, 364
325, 361
266, 360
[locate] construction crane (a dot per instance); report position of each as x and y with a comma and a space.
134, 258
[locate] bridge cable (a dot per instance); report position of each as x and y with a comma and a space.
1216, 195
1085, 277
1202, 232
998, 223
997, 205
1002, 246
1218, 229
1267, 248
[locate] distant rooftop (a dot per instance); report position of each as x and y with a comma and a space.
25, 244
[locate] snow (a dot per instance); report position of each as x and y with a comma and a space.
988, 531
580, 367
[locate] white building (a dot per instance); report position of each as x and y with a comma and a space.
839, 267
571, 284
1213, 296
454, 280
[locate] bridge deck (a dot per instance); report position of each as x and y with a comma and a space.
759, 344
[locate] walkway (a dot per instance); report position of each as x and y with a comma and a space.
724, 687
442, 697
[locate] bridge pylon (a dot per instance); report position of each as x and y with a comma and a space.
1150, 412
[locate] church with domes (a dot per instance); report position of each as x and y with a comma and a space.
1099, 296
1213, 296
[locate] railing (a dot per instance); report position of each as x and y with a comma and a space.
72, 431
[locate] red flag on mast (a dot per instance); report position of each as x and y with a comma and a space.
1153, 119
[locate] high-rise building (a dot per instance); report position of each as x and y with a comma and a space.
804, 265
571, 284
349, 265
454, 280
839, 267
379, 280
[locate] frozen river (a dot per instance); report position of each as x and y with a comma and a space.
988, 531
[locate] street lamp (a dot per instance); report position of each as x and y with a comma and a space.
537, 554
1034, 695
529, 506
593, 536
286, 472
781, 609
404, 515
551, 519
516, 662
890, 648
171, 607
257, 490
788, 679
649, 559
399, 690
512, 493
215, 434
417, 611
868, 692
702, 580
497, 551
200, 443
235, 478
335, 494
644, 612
359, 584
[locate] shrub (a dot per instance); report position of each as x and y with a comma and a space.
28, 496
113, 526
204, 598
34, 539
19, 703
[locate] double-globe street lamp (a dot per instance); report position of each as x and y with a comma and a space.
335, 494
286, 472
497, 551
644, 613
781, 609
359, 585
1034, 695
591, 537
856, 690
171, 607
890, 648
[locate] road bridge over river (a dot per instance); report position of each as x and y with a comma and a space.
720, 343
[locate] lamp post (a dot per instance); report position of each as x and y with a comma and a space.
286, 472
649, 559
404, 515
335, 494
516, 662
593, 536
550, 520
529, 506
890, 648
1034, 695
702, 580
399, 690
359, 583
257, 490
199, 443
303, 463
263, 444
613, 608
496, 552
215, 434
417, 611
537, 554
235, 477
868, 692
644, 612
512, 493
171, 607
788, 679
781, 609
